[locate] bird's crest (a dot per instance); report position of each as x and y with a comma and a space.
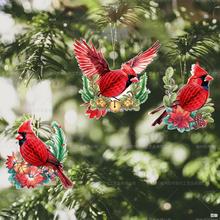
26, 127
197, 70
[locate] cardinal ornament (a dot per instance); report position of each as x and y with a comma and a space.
190, 107
38, 162
105, 90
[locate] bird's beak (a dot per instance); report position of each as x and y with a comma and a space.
19, 137
135, 80
208, 78
133, 74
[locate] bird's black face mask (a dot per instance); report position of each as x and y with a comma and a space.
21, 137
205, 83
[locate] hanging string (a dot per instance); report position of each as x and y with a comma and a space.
113, 30
181, 68
184, 62
113, 27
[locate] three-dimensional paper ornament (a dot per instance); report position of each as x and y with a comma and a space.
38, 162
190, 108
105, 90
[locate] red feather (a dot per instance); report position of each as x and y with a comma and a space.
197, 70
34, 151
142, 60
90, 60
192, 97
113, 83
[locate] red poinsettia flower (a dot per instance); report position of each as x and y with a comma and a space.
11, 161
96, 113
180, 118
32, 177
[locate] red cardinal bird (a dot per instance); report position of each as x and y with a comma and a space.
112, 82
35, 152
191, 96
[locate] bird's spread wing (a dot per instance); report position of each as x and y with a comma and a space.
90, 60
142, 60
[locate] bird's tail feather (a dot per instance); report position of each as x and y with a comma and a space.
67, 183
160, 118
157, 110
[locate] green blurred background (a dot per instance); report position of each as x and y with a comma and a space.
122, 167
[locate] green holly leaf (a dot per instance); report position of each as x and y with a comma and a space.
170, 87
166, 101
143, 98
210, 119
167, 87
207, 109
143, 92
174, 88
173, 97
84, 96
87, 92
57, 143
169, 72
165, 80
